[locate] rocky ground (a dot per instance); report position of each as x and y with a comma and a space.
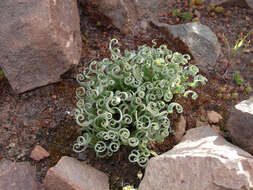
43, 116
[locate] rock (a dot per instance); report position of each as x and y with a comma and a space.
240, 125
70, 174
213, 117
249, 3
200, 41
179, 129
17, 176
40, 41
201, 123
127, 15
217, 129
39, 153
241, 3
202, 161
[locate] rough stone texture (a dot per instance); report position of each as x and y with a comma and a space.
249, 3
213, 117
201, 42
126, 14
179, 129
240, 125
39, 153
202, 161
40, 40
240, 3
17, 176
70, 174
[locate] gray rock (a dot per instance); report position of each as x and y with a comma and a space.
40, 40
202, 161
126, 14
240, 3
240, 125
17, 176
200, 41
70, 174
249, 3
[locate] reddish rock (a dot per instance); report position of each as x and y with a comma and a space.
240, 125
17, 176
40, 41
70, 174
213, 117
203, 160
39, 153
128, 16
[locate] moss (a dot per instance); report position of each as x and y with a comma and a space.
238, 78
248, 88
199, 2
219, 10
235, 95
211, 8
195, 20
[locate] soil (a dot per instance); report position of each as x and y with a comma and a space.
43, 116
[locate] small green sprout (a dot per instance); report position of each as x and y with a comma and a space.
238, 78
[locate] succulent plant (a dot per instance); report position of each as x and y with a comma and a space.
126, 100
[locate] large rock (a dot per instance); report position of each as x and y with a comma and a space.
70, 174
126, 14
17, 176
202, 161
40, 40
200, 41
240, 125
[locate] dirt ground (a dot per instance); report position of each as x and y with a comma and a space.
43, 116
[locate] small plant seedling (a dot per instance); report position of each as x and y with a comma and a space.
1, 74
248, 88
175, 12
186, 16
238, 78
234, 52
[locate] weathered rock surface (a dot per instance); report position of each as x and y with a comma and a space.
126, 14
240, 125
200, 41
40, 40
202, 161
179, 129
17, 176
213, 117
39, 153
240, 3
70, 174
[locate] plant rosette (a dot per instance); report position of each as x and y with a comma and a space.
126, 100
